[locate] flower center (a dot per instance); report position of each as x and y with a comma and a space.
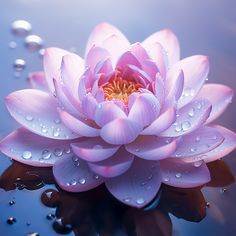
120, 88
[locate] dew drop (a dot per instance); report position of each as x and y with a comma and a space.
199, 106
57, 121
178, 128
166, 179
62, 228
73, 182
21, 27
58, 152
12, 45
68, 150
46, 154
193, 149
197, 139
191, 112
19, 64
127, 199
140, 201
26, 155
223, 190
198, 163
208, 204
11, 220
29, 117
186, 125
44, 130
178, 175
33, 42
137, 150
41, 52
50, 216
82, 181
96, 177
12, 203
56, 133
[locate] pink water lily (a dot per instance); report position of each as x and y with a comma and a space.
132, 116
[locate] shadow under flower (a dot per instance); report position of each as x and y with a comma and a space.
96, 212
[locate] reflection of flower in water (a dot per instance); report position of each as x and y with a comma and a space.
134, 115
96, 211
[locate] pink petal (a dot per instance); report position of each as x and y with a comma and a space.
127, 59
37, 111
82, 91
72, 69
139, 52
101, 33
93, 149
78, 125
189, 118
114, 166
37, 81
151, 147
197, 142
89, 105
32, 149
120, 131
159, 88
103, 66
169, 42
184, 175
195, 70
106, 112
158, 54
150, 68
95, 55
73, 174
219, 96
139, 185
160, 124
145, 109
52, 63
228, 145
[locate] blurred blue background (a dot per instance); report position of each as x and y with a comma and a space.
203, 27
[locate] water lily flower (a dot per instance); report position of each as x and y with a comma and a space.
132, 116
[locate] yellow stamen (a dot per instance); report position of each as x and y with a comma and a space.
120, 88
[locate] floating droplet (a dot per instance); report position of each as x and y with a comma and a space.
21, 27
12, 203
140, 201
46, 154
29, 117
19, 64
26, 155
186, 125
58, 152
12, 44
82, 181
11, 220
33, 42
178, 175
50, 216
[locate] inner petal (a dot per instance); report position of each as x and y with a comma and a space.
120, 88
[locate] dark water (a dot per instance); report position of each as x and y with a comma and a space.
29, 200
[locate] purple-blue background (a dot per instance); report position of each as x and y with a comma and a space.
203, 27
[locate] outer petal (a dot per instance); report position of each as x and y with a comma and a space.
228, 145
37, 111
195, 70
219, 96
184, 175
163, 122
93, 149
101, 33
189, 118
152, 147
72, 68
139, 185
169, 42
200, 141
52, 63
120, 131
106, 112
116, 165
73, 174
145, 109
37, 81
78, 126
32, 149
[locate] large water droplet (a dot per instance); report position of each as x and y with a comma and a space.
19, 64
46, 154
140, 201
26, 155
11, 220
50, 198
33, 42
186, 125
67, 150
21, 27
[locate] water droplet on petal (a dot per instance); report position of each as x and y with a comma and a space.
178, 128
44, 130
140, 201
96, 177
46, 154
191, 112
26, 155
193, 149
178, 175
198, 163
127, 199
21, 27
197, 139
208, 204
73, 182
199, 105
33, 42
19, 64
137, 150
58, 152
56, 133
186, 125
68, 150
82, 181
57, 121
29, 117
